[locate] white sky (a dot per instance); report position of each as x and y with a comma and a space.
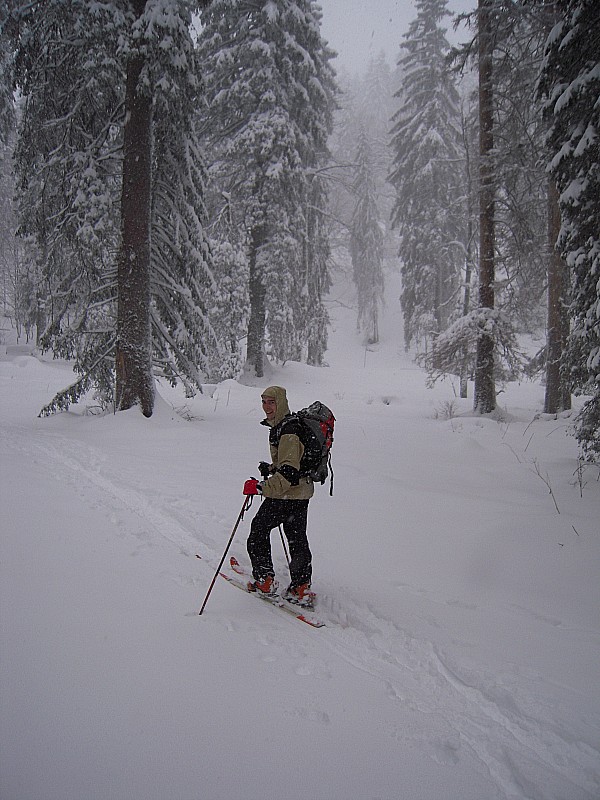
359, 29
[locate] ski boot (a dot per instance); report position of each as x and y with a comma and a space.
267, 586
300, 595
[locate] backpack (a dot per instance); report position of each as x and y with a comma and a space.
316, 434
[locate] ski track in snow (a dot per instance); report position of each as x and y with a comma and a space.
506, 729
516, 739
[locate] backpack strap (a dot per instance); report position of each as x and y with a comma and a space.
290, 424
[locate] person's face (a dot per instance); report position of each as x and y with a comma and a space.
269, 405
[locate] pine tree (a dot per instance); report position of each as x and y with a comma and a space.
230, 299
366, 245
425, 173
229, 306
485, 387
557, 397
67, 167
315, 319
7, 103
527, 265
516, 213
365, 107
520, 182
10, 279
375, 108
270, 91
77, 202
570, 87
133, 355
186, 344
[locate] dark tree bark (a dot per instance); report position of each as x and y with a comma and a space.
558, 396
135, 383
485, 390
256, 323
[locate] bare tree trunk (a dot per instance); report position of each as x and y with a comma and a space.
316, 272
469, 259
467, 302
256, 323
135, 383
558, 396
485, 390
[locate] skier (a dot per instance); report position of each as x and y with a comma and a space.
286, 494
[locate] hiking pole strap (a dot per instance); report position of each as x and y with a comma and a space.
245, 506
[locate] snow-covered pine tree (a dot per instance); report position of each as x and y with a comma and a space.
229, 312
527, 265
67, 171
11, 280
426, 174
516, 213
521, 180
315, 319
375, 107
18, 274
71, 69
270, 92
7, 102
181, 280
230, 301
365, 107
570, 87
366, 244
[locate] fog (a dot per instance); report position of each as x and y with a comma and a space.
360, 29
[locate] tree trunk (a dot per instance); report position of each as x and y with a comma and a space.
316, 326
256, 323
135, 383
464, 378
558, 396
469, 258
485, 390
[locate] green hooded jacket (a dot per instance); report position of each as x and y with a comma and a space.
287, 453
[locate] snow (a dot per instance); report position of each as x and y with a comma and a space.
461, 657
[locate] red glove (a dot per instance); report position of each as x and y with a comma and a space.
253, 486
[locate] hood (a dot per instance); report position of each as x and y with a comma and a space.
283, 409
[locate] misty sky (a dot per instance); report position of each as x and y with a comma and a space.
360, 29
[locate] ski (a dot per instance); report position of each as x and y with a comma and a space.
305, 615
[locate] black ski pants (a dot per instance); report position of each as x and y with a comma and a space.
292, 514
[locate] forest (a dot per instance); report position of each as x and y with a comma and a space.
179, 180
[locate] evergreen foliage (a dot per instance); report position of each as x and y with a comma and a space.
520, 179
426, 173
229, 311
67, 177
513, 187
366, 245
70, 66
375, 107
270, 93
454, 349
182, 283
570, 87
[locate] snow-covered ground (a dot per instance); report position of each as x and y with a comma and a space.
457, 565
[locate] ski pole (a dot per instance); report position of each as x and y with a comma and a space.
285, 550
245, 506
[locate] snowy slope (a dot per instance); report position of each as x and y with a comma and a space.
461, 660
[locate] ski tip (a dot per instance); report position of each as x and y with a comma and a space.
234, 562
314, 623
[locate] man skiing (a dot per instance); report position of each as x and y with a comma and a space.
286, 494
